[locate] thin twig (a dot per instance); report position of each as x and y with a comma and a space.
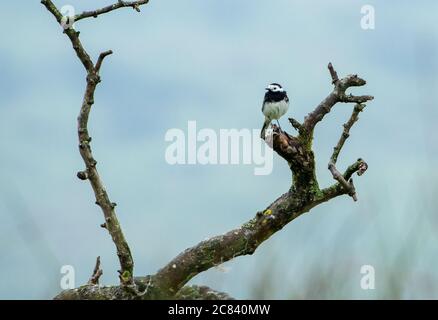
346, 132
346, 183
120, 4
333, 73
100, 59
97, 272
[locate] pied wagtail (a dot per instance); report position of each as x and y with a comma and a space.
275, 105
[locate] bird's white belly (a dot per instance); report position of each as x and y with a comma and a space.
275, 110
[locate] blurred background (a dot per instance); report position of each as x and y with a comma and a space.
209, 61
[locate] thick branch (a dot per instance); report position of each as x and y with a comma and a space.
93, 292
238, 242
246, 239
303, 195
201, 293
120, 4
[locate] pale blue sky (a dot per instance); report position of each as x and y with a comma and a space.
209, 61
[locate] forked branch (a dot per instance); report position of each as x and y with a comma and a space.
337, 95
97, 273
90, 173
347, 184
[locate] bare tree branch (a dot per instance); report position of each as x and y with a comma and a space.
97, 272
90, 173
354, 99
337, 189
346, 183
337, 95
120, 4
303, 196
241, 241
346, 132
93, 292
73, 36
333, 73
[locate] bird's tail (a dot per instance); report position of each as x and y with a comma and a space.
265, 126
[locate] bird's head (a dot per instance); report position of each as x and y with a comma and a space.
275, 87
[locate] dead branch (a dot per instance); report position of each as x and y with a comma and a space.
90, 173
348, 185
119, 4
97, 273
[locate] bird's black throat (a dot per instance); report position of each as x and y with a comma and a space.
271, 96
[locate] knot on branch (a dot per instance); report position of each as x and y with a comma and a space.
92, 78
82, 175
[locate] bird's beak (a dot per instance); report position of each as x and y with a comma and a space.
266, 88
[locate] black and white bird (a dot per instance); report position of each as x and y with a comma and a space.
275, 105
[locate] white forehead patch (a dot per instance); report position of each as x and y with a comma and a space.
275, 88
